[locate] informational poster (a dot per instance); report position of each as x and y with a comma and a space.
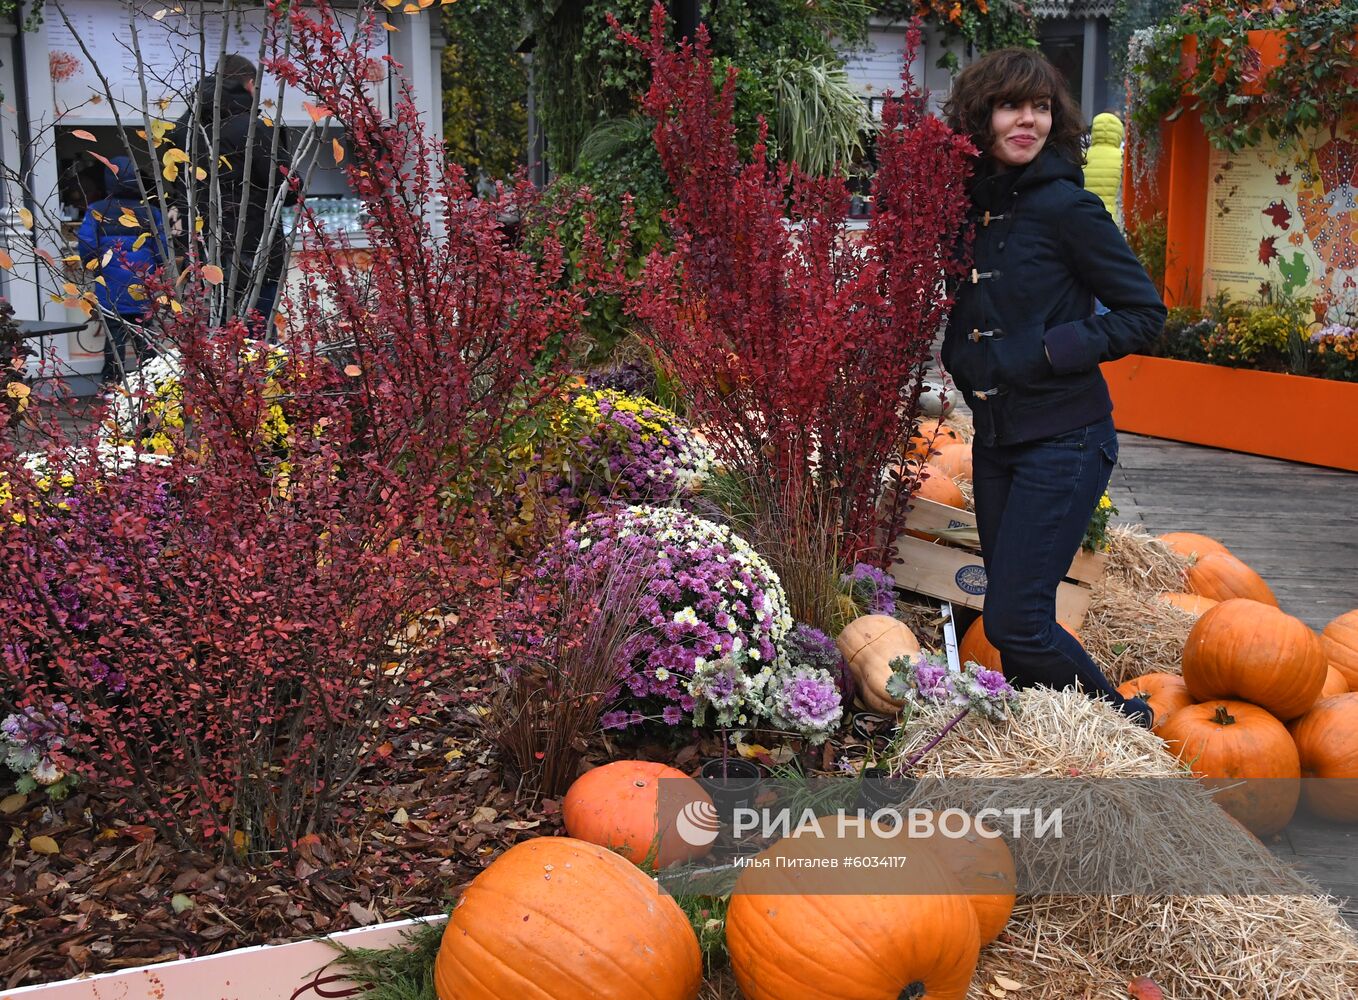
874, 66
151, 55
1285, 218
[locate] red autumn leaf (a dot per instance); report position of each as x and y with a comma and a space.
1279, 213
107, 162
1268, 249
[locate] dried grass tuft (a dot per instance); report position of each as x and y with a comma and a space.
1126, 629
1140, 561
1130, 632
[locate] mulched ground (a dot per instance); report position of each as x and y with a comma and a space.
431, 815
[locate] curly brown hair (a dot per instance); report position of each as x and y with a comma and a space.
1013, 74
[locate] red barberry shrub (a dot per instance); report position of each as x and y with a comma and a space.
800, 350
313, 555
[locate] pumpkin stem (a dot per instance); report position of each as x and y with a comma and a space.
1223, 717
914, 991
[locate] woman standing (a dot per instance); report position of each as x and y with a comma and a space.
1024, 346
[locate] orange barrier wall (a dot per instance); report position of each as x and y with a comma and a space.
1289, 417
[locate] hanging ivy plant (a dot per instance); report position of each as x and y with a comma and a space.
1315, 85
983, 24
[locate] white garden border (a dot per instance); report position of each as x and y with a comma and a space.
300, 970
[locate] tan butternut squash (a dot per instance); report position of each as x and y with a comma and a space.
868, 645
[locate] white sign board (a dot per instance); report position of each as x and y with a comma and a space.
90, 39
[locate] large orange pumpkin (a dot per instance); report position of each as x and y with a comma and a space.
1256, 653
1222, 576
1189, 604
559, 919
1165, 693
1335, 683
1327, 741
954, 461
791, 936
1340, 638
984, 869
1225, 741
939, 488
1191, 545
975, 647
618, 806
868, 644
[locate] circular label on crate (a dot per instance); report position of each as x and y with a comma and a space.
971, 580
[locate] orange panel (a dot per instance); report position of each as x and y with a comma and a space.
1236, 409
1186, 210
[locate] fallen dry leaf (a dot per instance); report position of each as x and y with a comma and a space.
1145, 988
43, 845
13, 803
1005, 983
484, 814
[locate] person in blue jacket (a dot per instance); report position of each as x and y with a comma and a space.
112, 235
1024, 346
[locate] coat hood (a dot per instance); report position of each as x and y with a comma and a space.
236, 100
122, 184
1107, 130
992, 190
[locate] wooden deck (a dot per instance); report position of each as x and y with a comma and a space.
1297, 526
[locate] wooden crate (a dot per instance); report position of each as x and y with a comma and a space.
951, 569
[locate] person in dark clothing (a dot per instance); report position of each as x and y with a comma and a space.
1024, 346
121, 239
223, 132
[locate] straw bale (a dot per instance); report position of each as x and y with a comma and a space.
1126, 630
1292, 943
1130, 633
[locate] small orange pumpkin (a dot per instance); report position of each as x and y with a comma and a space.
1190, 604
1256, 653
868, 644
1191, 545
938, 487
976, 648
1335, 683
1222, 576
1341, 646
573, 919
617, 806
954, 460
929, 437
1327, 741
1165, 693
1225, 741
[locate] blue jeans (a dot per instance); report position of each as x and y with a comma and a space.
1033, 504
268, 296
118, 330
